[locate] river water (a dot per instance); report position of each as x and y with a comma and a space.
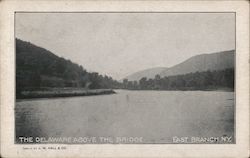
151, 116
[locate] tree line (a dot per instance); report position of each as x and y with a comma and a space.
191, 81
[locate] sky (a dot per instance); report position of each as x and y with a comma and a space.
119, 44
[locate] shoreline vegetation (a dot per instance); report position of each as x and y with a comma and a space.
60, 92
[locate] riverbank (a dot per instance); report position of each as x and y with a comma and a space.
61, 92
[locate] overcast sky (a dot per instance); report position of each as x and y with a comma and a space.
118, 44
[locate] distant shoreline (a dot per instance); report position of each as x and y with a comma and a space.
209, 89
61, 92
72, 92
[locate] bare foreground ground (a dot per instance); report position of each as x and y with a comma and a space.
152, 116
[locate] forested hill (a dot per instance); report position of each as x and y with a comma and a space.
199, 63
204, 62
202, 72
37, 67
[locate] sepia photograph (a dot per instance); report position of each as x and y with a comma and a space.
125, 77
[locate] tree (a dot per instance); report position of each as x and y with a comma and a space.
143, 83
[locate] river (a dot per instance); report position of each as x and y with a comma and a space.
154, 116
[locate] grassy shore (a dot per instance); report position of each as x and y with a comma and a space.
61, 92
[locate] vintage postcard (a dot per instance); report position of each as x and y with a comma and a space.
108, 79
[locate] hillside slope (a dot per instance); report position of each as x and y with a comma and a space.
204, 62
150, 73
199, 63
37, 67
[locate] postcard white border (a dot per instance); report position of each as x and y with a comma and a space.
7, 73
